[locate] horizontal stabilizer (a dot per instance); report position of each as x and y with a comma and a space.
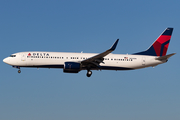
166, 57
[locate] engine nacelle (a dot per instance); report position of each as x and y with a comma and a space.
72, 67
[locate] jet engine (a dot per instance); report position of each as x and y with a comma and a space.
71, 67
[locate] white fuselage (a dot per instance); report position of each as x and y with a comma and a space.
75, 62
57, 60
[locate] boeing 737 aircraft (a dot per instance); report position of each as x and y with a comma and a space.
75, 62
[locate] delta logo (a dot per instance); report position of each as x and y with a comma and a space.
38, 54
29, 54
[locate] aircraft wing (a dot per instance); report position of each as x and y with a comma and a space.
97, 59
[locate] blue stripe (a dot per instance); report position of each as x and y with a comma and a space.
168, 31
150, 51
46, 66
162, 47
115, 68
84, 68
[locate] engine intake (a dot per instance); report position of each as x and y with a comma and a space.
72, 67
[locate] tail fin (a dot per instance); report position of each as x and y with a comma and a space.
160, 46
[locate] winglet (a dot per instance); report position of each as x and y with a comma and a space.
114, 45
100, 57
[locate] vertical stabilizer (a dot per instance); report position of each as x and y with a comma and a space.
160, 46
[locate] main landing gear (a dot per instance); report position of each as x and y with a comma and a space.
89, 73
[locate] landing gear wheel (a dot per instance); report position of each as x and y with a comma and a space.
19, 71
89, 73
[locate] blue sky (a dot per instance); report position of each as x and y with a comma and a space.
88, 26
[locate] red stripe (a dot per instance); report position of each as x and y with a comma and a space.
163, 38
157, 44
165, 49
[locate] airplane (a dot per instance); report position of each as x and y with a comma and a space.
75, 62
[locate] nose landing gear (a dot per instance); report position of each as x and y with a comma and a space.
19, 71
89, 73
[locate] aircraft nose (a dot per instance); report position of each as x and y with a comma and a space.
6, 60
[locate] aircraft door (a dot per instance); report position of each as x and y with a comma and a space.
143, 61
23, 57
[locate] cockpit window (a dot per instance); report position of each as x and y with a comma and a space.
12, 55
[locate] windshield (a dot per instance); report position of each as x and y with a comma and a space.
12, 55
